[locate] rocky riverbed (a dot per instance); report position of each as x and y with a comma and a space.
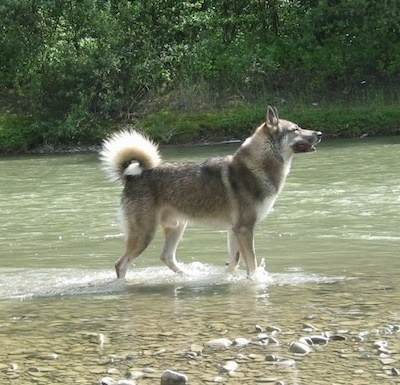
254, 354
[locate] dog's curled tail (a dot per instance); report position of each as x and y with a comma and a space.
128, 152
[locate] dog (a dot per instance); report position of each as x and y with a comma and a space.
235, 192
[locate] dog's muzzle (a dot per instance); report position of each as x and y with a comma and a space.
308, 145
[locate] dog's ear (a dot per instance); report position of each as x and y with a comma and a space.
271, 120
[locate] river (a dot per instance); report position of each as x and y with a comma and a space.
330, 267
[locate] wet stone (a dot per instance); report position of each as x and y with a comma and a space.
272, 358
125, 382
306, 341
387, 361
337, 337
272, 329
219, 343
395, 372
319, 339
268, 380
106, 381
380, 344
256, 357
197, 349
230, 366
286, 364
241, 341
170, 377
300, 348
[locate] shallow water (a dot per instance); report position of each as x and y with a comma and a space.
331, 250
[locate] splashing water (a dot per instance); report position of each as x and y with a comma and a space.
23, 284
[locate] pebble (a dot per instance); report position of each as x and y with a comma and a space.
273, 329
268, 379
272, 357
395, 372
260, 339
241, 341
380, 344
197, 349
299, 348
286, 363
231, 366
126, 382
219, 343
106, 381
319, 339
136, 374
258, 328
170, 377
387, 361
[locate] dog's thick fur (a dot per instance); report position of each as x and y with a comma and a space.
235, 192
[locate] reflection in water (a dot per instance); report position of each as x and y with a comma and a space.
331, 251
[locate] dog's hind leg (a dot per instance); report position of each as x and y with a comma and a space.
173, 234
135, 245
234, 252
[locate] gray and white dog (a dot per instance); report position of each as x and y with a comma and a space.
234, 192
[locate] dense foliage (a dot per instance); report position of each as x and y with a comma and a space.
69, 64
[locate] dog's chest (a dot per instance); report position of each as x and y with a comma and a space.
264, 207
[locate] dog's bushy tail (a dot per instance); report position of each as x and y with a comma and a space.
128, 152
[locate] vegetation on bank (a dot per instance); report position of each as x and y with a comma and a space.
18, 134
184, 71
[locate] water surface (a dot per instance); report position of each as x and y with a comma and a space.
331, 262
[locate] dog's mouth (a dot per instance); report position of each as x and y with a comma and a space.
304, 147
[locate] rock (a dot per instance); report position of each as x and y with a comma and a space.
126, 382
135, 374
258, 328
286, 363
272, 357
219, 343
231, 366
338, 337
260, 339
387, 361
308, 328
395, 372
306, 341
299, 348
170, 377
106, 381
319, 339
273, 341
273, 329
197, 349
241, 341
380, 344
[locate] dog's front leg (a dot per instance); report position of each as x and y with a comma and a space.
234, 252
245, 239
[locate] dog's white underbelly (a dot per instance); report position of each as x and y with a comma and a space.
263, 208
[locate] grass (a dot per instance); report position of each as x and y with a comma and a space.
232, 123
205, 123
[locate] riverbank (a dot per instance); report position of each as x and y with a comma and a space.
23, 134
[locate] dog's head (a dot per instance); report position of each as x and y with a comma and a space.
288, 136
